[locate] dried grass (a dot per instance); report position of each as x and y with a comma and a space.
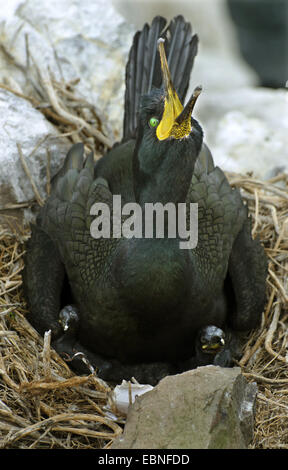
42, 403
265, 356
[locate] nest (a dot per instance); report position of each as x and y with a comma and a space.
45, 405
42, 403
265, 356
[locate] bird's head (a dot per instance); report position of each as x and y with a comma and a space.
68, 318
211, 340
176, 121
168, 136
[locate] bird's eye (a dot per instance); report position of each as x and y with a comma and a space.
153, 122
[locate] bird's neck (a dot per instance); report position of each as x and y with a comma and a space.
162, 180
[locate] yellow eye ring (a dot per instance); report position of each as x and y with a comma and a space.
153, 122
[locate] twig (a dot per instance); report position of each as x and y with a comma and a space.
281, 235
270, 333
6, 377
20, 95
272, 402
281, 266
262, 184
276, 201
269, 304
51, 423
26, 169
256, 212
274, 218
46, 355
279, 285
79, 122
17, 205
261, 378
5, 312
39, 143
250, 351
40, 385
7, 333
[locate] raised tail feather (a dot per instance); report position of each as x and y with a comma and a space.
143, 71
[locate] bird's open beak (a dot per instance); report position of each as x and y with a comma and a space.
176, 120
213, 347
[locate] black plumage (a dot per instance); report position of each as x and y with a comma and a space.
142, 302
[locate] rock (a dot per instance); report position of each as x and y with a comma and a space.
85, 47
218, 49
206, 408
91, 41
262, 33
21, 123
246, 129
8, 8
80, 39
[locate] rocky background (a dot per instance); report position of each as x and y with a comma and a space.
245, 125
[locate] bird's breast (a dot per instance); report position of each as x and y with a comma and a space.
153, 274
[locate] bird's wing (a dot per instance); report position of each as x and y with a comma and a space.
221, 214
67, 220
116, 167
44, 269
43, 278
225, 244
143, 70
248, 272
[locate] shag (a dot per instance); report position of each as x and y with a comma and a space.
144, 307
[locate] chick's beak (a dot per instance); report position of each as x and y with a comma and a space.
176, 120
214, 347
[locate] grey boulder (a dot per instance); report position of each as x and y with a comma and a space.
206, 408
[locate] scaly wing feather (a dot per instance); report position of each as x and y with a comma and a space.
225, 243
